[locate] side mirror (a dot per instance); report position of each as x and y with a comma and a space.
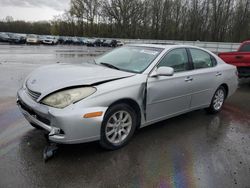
163, 71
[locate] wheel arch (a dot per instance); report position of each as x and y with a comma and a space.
225, 86
133, 104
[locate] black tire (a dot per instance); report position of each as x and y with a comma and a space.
35, 126
212, 109
104, 142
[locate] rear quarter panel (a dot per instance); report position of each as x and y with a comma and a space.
229, 77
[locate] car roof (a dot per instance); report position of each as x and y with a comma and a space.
163, 46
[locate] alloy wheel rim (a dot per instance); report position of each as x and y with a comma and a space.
219, 99
118, 127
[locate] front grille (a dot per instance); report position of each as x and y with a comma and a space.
34, 95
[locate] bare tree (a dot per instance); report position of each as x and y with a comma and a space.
210, 20
85, 11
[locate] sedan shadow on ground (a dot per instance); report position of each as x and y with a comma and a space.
156, 139
161, 132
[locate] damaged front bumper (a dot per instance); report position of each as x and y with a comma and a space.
66, 126
32, 118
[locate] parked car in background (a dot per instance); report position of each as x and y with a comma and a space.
68, 40
32, 39
126, 89
241, 59
94, 42
41, 38
50, 40
76, 41
61, 40
4, 37
20, 38
13, 38
90, 42
119, 43
110, 43
83, 40
102, 41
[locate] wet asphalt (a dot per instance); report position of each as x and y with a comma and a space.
192, 150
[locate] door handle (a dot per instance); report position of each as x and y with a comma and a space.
189, 79
218, 74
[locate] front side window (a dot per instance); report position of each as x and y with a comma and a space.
201, 59
177, 59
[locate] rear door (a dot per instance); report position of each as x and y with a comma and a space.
205, 78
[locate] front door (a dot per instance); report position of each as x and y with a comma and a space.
170, 95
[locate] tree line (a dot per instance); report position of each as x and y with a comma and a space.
204, 20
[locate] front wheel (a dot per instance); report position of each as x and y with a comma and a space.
118, 126
217, 101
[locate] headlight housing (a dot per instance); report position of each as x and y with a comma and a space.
62, 99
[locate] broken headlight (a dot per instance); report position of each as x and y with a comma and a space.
62, 99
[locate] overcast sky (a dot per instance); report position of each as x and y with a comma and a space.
32, 10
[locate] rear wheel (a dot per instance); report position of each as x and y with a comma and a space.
217, 101
118, 126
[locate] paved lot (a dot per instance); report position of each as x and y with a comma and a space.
193, 150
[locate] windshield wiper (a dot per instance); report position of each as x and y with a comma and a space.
110, 66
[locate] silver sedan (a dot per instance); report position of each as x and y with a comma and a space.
128, 88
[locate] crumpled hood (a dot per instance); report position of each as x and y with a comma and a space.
51, 78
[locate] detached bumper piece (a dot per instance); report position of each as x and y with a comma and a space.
49, 151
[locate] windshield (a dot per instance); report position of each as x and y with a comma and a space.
130, 58
32, 36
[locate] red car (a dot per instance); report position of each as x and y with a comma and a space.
241, 59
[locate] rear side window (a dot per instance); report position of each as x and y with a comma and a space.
201, 59
245, 48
